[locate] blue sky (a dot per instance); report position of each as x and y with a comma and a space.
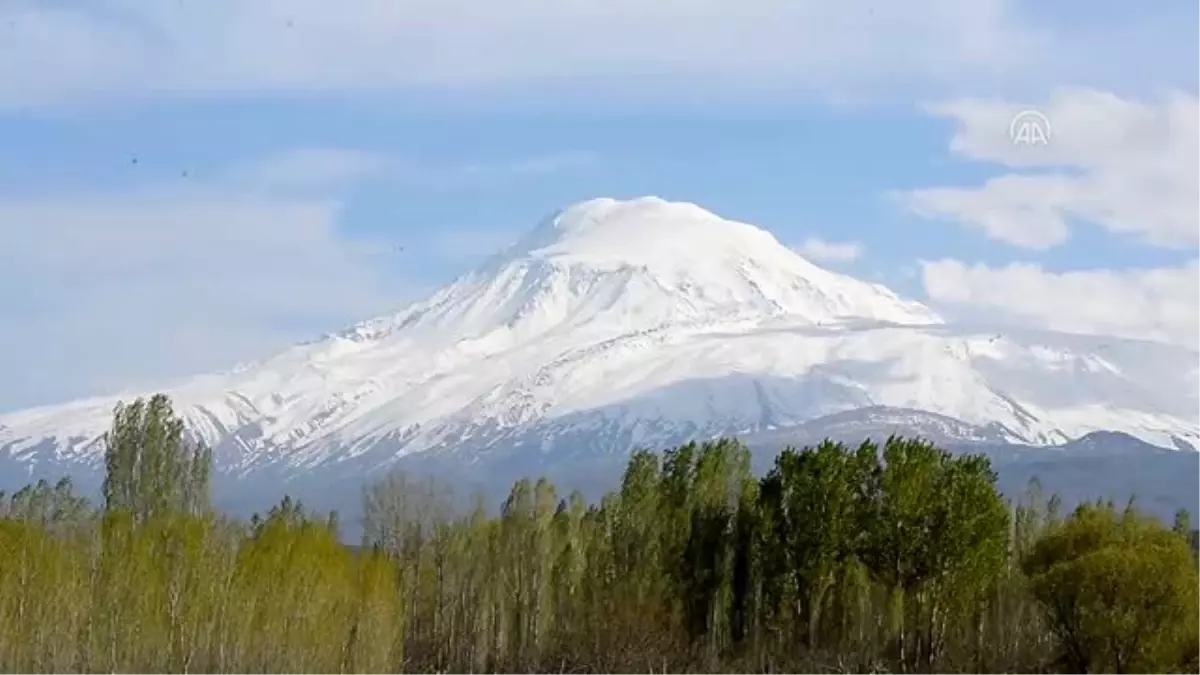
187, 185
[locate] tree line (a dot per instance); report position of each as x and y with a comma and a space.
896, 557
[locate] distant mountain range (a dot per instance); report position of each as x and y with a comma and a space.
1101, 464
617, 324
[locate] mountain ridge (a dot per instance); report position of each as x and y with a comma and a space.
654, 320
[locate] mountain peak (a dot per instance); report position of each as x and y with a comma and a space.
619, 267
646, 231
617, 324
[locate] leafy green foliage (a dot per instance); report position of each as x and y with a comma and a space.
899, 557
150, 468
1120, 591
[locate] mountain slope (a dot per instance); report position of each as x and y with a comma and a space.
640, 322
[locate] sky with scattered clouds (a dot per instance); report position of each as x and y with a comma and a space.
189, 184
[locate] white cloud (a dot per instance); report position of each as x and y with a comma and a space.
117, 48
829, 251
1161, 304
666, 49
1130, 167
311, 167
308, 169
107, 291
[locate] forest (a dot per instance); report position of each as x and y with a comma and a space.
888, 557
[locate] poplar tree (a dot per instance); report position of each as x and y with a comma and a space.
151, 469
892, 559
813, 498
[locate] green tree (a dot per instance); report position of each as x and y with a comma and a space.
1119, 591
812, 501
839, 560
151, 469
1183, 523
937, 530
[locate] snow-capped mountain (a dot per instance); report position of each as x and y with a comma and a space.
644, 322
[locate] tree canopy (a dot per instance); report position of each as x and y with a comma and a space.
892, 557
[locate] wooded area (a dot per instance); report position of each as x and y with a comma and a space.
900, 558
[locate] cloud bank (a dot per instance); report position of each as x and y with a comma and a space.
1128, 167
820, 250
668, 50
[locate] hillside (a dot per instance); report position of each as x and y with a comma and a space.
615, 324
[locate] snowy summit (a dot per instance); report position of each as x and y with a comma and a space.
614, 267
643, 322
